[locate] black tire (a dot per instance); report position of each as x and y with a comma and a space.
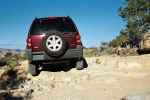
33, 69
81, 64
59, 53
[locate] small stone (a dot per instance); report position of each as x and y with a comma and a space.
98, 61
52, 86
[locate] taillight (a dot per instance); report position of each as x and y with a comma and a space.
78, 39
29, 45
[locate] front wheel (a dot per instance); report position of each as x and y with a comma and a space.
33, 69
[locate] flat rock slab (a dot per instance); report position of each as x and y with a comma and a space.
143, 96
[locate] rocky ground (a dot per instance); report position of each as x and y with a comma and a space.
106, 78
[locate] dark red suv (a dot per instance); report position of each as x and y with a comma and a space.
54, 40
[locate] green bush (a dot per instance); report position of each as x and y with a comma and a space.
20, 56
12, 62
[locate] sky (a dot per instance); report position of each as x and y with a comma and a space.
96, 20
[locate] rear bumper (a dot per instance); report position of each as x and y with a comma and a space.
42, 56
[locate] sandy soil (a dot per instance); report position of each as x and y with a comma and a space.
106, 78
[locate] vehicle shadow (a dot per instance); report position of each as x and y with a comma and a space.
143, 51
8, 97
57, 67
61, 67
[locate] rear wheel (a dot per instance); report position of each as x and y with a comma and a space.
33, 69
81, 64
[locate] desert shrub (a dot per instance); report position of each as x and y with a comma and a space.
8, 54
94, 52
12, 62
24, 56
20, 57
3, 62
90, 52
128, 52
108, 51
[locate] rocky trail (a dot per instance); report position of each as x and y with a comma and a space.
106, 78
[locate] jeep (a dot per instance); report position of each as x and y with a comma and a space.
53, 40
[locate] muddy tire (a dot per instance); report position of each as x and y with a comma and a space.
81, 64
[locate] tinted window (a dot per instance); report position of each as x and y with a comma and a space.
41, 26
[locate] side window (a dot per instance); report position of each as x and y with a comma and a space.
34, 28
70, 25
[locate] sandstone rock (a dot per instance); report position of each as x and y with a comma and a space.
98, 61
137, 97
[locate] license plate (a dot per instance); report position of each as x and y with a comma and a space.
38, 57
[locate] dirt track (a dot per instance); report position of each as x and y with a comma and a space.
111, 78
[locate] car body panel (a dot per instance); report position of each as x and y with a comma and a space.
36, 41
41, 56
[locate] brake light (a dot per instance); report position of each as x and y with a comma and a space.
78, 39
29, 45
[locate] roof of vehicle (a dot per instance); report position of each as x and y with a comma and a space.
52, 17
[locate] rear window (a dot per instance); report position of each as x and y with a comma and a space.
40, 26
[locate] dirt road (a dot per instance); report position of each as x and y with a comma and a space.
106, 78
